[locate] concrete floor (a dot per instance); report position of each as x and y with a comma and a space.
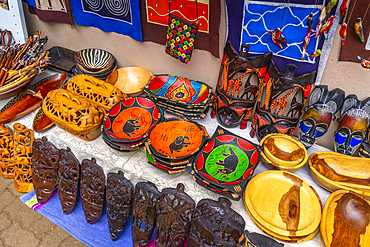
21, 226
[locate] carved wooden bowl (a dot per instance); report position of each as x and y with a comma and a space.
283, 205
94, 59
130, 80
346, 220
335, 171
283, 152
15, 90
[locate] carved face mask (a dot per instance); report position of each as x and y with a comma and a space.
322, 106
271, 115
235, 95
45, 159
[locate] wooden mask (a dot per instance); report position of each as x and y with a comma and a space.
322, 106
235, 95
92, 190
68, 179
45, 160
119, 193
271, 115
6, 152
214, 223
23, 140
144, 213
174, 214
353, 125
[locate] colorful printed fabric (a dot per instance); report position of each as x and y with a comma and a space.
120, 16
154, 19
249, 22
51, 11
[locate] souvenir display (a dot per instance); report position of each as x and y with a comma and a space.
94, 62
235, 96
345, 220
327, 25
74, 114
180, 96
7, 152
119, 193
207, 229
253, 239
335, 171
227, 162
68, 179
62, 59
322, 107
283, 152
30, 99
289, 211
353, 125
92, 187
130, 80
23, 140
99, 92
278, 37
271, 115
45, 161
144, 213
127, 124
174, 214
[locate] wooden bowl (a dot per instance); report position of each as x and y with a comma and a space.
335, 171
283, 203
94, 59
15, 90
283, 152
346, 220
130, 80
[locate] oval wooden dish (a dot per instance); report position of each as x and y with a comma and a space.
283, 205
346, 220
335, 171
283, 152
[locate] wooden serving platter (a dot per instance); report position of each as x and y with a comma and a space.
283, 203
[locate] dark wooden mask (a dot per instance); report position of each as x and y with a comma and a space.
214, 223
92, 190
45, 160
235, 95
272, 114
119, 193
144, 213
68, 179
174, 216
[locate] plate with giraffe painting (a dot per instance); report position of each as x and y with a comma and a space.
131, 119
176, 138
227, 161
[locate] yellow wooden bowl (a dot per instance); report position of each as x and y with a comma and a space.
283, 203
335, 171
283, 152
346, 220
130, 80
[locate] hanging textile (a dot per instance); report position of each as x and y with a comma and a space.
120, 16
249, 22
154, 19
51, 11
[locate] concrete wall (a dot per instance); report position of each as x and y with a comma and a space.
348, 76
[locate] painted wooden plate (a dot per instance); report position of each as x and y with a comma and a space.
131, 119
176, 138
227, 160
283, 152
153, 162
335, 171
283, 203
179, 90
346, 220
119, 148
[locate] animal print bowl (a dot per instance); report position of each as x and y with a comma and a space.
94, 59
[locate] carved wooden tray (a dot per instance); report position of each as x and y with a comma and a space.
131, 119
283, 203
176, 138
346, 220
283, 152
335, 171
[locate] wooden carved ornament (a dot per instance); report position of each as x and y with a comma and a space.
45, 160
6, 152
